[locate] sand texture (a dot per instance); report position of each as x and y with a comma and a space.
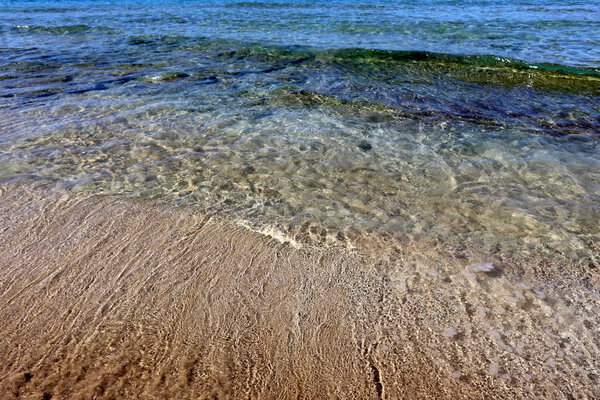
114, 298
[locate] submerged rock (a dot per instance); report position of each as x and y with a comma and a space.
365, 146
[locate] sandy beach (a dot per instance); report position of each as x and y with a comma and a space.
112, 298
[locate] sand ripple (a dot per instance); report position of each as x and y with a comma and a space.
108, 298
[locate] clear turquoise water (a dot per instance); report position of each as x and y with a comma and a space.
471, 123
566, 32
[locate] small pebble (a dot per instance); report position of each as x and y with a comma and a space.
457, 374
481, 311
365, 146
494, 368
524, 285
248, 169
450, 332
482, 267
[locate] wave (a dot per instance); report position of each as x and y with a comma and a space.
390, 57
235, 48
480, 69
489, 68
390, 64
51, 9
62, 29
260, 4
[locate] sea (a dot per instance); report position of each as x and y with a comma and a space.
471, 124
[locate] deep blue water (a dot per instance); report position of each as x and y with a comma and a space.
469, 122
566, 32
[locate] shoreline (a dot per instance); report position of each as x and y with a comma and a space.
107, 297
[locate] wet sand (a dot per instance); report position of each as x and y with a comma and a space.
114, 298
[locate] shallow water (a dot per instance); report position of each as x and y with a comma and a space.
475, 127
109, 297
